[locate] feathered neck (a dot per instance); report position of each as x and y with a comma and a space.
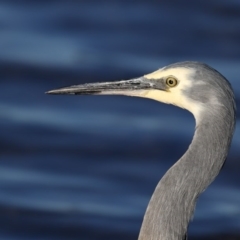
173, 201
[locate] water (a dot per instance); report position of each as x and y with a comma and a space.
85, 167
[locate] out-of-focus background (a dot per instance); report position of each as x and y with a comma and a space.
84, 167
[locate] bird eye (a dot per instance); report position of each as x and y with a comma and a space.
171, 81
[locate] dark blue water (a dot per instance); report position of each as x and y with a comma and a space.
85, 167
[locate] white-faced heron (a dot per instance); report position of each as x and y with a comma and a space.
209, 97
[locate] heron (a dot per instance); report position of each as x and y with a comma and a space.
208, 95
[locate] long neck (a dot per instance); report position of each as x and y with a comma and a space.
172, 204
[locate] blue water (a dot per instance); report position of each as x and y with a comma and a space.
85, 167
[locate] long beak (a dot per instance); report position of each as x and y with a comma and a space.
125, 87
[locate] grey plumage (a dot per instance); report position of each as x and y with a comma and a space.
174, 199
209, 96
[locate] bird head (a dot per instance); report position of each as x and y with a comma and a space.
190, 85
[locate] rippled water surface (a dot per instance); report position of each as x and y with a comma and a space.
84, 167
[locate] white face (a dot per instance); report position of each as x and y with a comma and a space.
175, 94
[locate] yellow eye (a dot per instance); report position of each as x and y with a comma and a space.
171, 81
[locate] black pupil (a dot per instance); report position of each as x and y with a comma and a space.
170, 82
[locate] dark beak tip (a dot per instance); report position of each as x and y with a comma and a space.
50, 92
56, 92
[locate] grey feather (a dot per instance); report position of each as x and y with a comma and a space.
173, 202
